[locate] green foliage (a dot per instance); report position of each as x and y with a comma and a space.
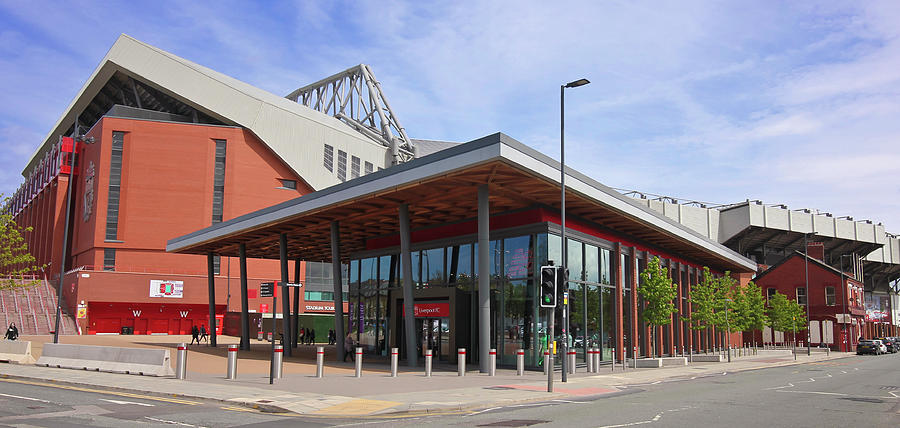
704, 297
785, 314
756, 307
658, 293
15, 261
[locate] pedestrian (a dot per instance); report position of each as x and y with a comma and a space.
307, 336
203, 335
302, 340
348, 347
195, 334
330, 336
12, 333
312, 336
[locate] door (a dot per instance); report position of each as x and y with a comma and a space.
433, 334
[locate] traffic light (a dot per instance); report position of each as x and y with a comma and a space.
562, 278
548, 286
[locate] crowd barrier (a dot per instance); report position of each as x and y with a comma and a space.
143, 361
16, 351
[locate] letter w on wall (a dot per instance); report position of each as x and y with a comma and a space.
184, 314
136, 312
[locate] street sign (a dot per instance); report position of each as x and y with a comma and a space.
267, 289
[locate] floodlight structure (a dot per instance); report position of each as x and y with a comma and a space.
355, 97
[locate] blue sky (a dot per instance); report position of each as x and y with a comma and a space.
787, 102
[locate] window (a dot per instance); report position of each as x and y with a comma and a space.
288, 184
115, 185
354, 167
342, 165
829, 296
218, 182
369, 168
770, 293
801, 295
329, 158
217, 264
109, 259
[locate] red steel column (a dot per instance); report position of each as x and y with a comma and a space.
635, 323
620, 285
678, 306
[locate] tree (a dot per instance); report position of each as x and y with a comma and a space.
785, 314
15, 261
658, 293
756, 308
704, 300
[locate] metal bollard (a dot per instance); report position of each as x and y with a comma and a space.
571, 362
634, 358
612, 362
181, 362
428, 357
546, 361
492, 362
461, 361
520, 362
358, 361
279, 361
320, 361
231, 369
395, 355
589, 359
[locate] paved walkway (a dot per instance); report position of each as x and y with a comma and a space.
339, 393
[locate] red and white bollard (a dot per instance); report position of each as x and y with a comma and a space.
461, 361
546, 361
589, 359
279, 360
571, 367
395, 356
492, 362
320, 361
231, 369
358, 361
520, 362
181, 362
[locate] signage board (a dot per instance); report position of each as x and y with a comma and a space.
166, 288
431, 310
267, 289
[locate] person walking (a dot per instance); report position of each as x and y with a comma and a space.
348, 347
195, 334
312, 336
302, 340
203, 335
330, 336
12, 333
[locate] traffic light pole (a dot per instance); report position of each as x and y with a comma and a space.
551, 313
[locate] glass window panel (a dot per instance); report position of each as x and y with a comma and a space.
591, 263
517, 256
433, 267
605, 272
520, 314
459, 265
575, 257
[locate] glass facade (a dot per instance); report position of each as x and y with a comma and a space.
517, 321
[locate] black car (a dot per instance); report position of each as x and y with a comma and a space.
868, 347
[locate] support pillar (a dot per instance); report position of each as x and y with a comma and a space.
338, 290
679, 305
245, 315
286, 298
408, 301
295, 317
620, 315
211, 283
635, 322
484, 279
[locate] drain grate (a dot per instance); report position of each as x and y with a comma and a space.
514, 423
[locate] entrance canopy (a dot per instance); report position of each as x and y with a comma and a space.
442, 189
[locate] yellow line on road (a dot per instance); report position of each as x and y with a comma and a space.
99, 391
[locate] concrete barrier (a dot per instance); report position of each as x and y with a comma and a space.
714, 358
16, 351
143, 361
674, 361
654, 363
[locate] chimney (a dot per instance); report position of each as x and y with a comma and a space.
816, 250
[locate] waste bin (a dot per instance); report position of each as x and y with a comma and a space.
127, 330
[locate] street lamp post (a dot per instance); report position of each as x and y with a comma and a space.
844, 335
562, 210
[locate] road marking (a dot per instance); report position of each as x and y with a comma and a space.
127, 402
789, 385
25, 398
482, 411
568, 401
174, 422
357, 407
98, 391
816, 392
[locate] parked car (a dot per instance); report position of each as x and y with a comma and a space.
870, 347
889, 343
